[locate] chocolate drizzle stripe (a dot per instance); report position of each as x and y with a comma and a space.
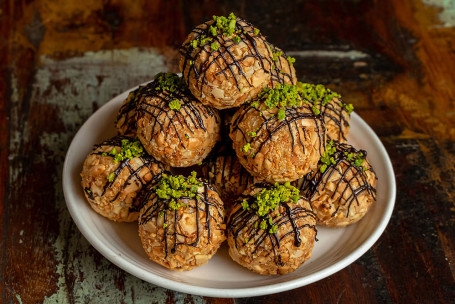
278, 75
231, 65
335, 113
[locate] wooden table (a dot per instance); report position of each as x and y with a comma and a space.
393, 59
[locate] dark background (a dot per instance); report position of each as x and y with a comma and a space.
393, 59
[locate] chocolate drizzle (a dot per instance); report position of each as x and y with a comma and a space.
128, 112
133, 176
206, 204
279, 74
190, 116
315, 183
247, 223
335, 114
223, 58
270, 126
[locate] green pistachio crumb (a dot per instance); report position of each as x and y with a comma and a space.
246, 147
175, 104
169, 82
129, 150
236, 39
194, 43
349, 108
174, 188
266, 201
251, 134
323, 168
111, 177
273, 229
256, 31
214, 46
225, 25
316, 93
291, 60
164, 225
281, 114
213, 30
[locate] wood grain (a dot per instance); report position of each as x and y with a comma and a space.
394, 60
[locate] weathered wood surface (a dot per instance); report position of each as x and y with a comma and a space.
393, 59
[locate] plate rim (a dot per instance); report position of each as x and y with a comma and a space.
233, 292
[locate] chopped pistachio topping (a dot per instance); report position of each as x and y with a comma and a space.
164, 225
175, 105
236, 39
282, 96
328, 158
224, 25
214, 46
252, 134
129, 150
267, 201
359, 159
111, 177
291, 60
256, 31
348, 106
276, 54
171, 188
318, 93
281, 114
168, 82
246, 147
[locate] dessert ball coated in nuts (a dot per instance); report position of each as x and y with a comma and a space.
271, 229
126, 122
283, 70
225, 62
277, 137
173, 126
182, 224
342, 190
225, 172
334, 111
114, 173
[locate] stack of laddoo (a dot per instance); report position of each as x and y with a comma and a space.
268, 156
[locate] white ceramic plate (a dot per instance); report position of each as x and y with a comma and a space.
222, 277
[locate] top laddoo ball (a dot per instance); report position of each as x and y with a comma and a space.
277, 137
173, 125
225, 62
